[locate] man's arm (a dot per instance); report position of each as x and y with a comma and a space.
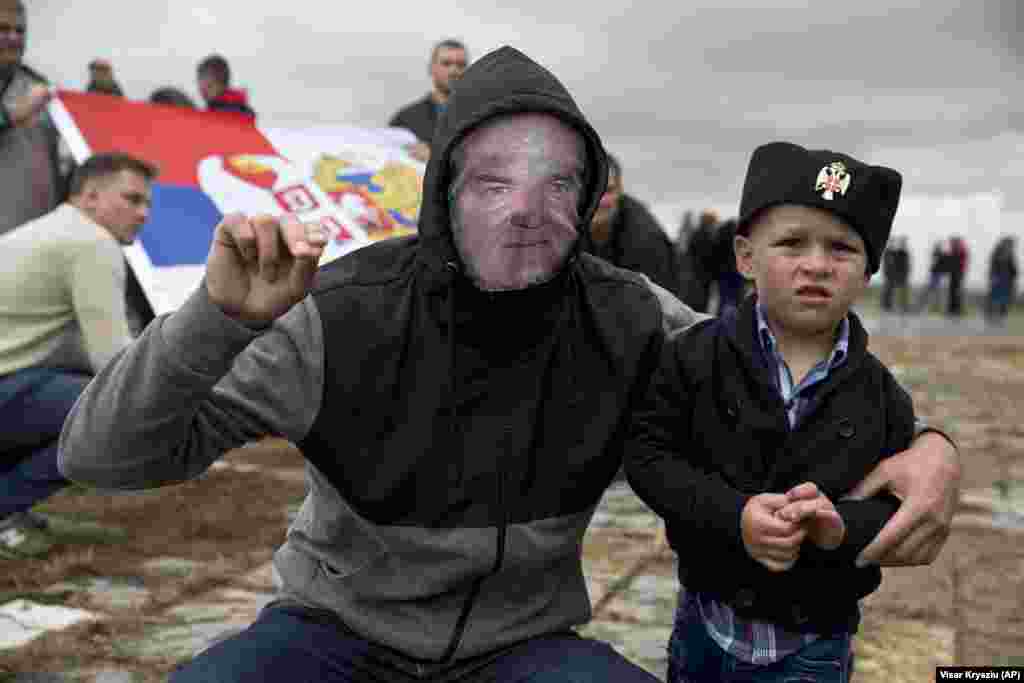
676, 316
194, 385
239, 360
925, 478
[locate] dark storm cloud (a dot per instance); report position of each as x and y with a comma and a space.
682, 91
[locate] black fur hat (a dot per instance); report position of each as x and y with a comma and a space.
864, 196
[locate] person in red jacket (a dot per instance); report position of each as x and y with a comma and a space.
214, 78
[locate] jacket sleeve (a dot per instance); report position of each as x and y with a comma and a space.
675, 315
658, 464
194, 385
865, 518
669, 268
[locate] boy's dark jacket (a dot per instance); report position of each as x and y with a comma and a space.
713, 432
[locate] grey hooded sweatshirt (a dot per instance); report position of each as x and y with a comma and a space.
457, 441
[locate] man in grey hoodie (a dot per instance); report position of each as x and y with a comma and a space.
461, 431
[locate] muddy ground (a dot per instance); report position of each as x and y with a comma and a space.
966, 607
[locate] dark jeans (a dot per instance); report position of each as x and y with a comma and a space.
33, 405
285, 644
694, 657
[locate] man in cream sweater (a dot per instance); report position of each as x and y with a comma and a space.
62, 318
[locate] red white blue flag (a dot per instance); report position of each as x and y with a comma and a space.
358, 182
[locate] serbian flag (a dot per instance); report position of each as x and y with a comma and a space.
359, 183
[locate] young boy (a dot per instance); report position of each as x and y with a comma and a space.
757, 424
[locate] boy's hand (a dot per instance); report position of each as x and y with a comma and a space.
769, 539
814, 512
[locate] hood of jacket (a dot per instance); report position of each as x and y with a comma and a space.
502, 82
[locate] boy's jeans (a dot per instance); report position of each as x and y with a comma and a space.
33, 405
694, 657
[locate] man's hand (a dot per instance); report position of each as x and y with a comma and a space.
27, 107
420, 151
770, 540
926, 479
815, 513
259, 267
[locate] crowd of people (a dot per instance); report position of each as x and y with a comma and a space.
464, 396
947, 271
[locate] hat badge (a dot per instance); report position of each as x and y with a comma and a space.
832, 180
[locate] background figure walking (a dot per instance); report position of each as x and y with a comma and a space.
896, 271
937, 271
958, 257
1002, 279
696, 263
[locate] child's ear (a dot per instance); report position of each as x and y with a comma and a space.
744, 250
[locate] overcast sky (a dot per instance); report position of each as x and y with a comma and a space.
680, 91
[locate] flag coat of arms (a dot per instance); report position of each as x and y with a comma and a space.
359, 183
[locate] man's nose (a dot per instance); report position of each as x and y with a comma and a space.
527, 207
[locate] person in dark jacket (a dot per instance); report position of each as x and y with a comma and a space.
938, 270
488, 365
214, 79
1002, 280
626, 234
958, 259
448, 61
101, 79
697, 263
33, 170
731, 284
460, 397
779, 400
171, 96
896, 272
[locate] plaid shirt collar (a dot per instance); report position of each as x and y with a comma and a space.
795, 396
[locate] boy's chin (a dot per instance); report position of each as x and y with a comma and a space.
814, 322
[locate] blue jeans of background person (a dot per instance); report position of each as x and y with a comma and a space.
287, 644
33, 405
695, 657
